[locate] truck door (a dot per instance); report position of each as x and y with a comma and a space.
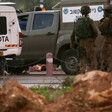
24, 22
43, 33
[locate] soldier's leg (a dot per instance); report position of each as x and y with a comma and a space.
104, 59
91, 54
82, 64
109, 62
106, 54
93, 60
83, 61
109, 58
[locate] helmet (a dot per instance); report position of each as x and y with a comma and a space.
85, 9
108, 8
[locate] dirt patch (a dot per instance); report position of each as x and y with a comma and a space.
92, 93
15, 97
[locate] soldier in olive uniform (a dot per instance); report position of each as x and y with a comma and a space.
105, 27
87, 44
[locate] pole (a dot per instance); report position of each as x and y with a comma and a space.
42, 3
49, 64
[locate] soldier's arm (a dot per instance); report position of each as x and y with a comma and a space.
94, 27
104, 24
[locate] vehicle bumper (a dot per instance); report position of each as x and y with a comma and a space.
16, 52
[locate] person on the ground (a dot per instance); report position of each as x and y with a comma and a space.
105, 27
86, 32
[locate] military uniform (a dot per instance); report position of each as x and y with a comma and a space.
88, 57
105, 27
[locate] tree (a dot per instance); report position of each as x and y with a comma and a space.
48, 4
28, 5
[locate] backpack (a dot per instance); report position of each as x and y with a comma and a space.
83, 28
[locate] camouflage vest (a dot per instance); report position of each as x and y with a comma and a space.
107, 30
83, 28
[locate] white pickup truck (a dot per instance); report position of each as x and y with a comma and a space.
10, 34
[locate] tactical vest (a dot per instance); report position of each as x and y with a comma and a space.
108, 30
83, 28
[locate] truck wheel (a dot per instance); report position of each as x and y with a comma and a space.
70, 62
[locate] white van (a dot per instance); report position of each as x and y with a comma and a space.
10, 33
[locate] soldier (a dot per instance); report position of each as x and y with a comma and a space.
85, 30
105, 27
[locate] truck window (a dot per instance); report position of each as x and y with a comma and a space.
3, 26
23, 22
42, 21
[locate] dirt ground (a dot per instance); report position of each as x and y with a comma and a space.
92, 93
16, 98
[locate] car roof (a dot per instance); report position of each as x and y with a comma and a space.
7, 9
47, 11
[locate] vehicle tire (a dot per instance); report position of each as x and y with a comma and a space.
70, 62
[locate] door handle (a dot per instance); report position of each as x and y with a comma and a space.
49, 33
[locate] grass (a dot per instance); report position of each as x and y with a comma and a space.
51, 93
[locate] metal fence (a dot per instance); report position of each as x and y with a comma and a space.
38, 80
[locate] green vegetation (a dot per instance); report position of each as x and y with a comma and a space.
68, 82
51, 93
28, 5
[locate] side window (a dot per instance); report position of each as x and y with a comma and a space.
42, 21
3, 26
23, 22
